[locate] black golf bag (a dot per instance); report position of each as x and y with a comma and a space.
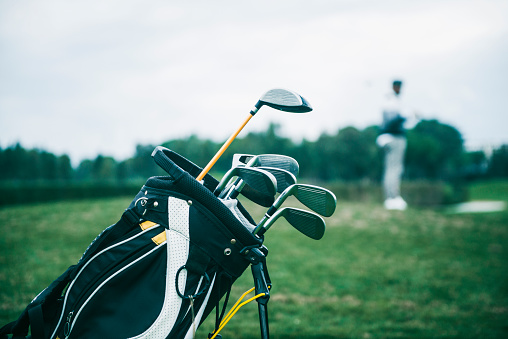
158, 272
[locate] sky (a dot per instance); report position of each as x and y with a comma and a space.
88, 77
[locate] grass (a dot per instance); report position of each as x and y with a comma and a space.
376, 274
489, 190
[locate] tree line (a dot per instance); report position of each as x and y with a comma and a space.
435, 151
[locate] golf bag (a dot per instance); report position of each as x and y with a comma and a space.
158, 272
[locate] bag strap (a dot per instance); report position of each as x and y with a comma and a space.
37, 322
6, 329
33, 315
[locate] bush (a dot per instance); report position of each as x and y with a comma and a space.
433, 193
416, 193
356, 191
32, 192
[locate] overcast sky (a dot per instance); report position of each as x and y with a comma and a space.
88, 77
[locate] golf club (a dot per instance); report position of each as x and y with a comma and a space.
240, 159
267, 160
280, 99
308, 223
263, 160
316, 198
262, 182
283, 178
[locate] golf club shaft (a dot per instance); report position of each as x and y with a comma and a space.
222, 149
238, 183
227, 192
260, 225
267, 216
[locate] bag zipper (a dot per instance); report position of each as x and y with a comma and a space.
67, 326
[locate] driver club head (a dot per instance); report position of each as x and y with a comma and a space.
283, 100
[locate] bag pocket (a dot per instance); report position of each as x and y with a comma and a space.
118, 293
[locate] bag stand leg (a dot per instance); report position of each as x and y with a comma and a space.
263, 319
261, 282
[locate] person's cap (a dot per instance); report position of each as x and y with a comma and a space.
397, 83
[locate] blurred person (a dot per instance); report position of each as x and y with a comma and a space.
392, 140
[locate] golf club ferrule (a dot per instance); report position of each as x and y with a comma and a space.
270, 211
255, 109
234, 193
261, 231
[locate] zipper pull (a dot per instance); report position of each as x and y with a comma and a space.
67, 326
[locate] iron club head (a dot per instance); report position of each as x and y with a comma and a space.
318, 199
262, 182
267, 160
308, 223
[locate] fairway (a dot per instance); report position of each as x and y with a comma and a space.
375, 274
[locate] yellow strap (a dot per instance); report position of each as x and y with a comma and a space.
235, 309
236, 304
147, 224
159, 238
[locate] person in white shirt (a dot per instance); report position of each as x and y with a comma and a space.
392, 139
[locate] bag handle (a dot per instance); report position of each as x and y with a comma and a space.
162, 159
175, 165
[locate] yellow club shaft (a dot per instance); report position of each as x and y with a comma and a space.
222, 150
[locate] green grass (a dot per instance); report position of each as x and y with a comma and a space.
489, 190
375, 274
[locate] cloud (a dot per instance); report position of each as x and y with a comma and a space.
102, 76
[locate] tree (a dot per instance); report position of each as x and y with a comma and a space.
84, 170
64, 167
194, 149
48, 165
104, 168
434, 151
350, 154
498, 166
142, 164
474, 165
